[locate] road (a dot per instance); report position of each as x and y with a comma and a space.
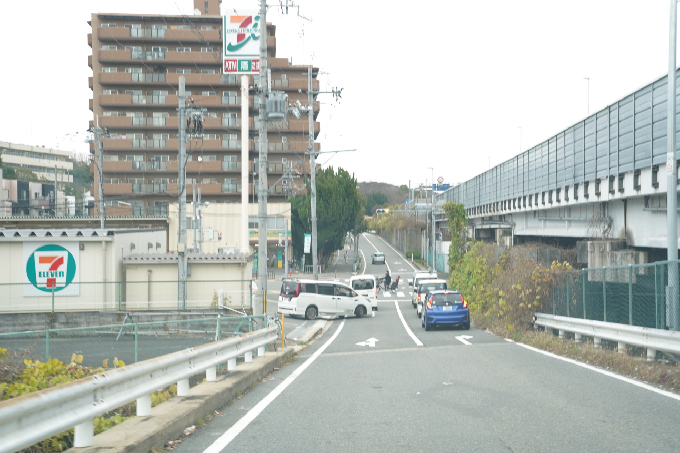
368, 385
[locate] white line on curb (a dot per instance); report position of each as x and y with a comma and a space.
605, 372
408, 329
240, 425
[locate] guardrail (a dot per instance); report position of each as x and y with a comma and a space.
652, 339
34, 417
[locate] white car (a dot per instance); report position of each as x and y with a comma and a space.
416, 281
378, 257
424, 288
366, 286
310, 298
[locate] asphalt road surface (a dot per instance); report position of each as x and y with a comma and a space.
384, 384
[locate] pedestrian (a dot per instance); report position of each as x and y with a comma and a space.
388, 280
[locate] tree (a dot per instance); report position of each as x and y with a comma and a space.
361, 223
374, 200
458, 226
403, 190
337, 211
24, 174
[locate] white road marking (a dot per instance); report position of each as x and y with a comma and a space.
408, 329
386, 293
398, 253
605, 372
370, 342
399, 294
463, 339
240, 425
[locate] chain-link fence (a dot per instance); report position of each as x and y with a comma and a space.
638, 295
129, 342
107, 296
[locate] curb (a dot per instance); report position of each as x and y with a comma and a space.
167, 420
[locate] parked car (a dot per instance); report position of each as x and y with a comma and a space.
310, 298
445, 307
419, 278
424, 289
378, 257
367, 287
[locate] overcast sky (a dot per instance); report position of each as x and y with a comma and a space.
442, 84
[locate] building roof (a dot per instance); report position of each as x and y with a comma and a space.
70, 232
195, 257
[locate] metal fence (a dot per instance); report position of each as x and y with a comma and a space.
638, 295
130, 342
144, 295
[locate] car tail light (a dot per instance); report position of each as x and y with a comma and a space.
464, 303
429, 305
297, 290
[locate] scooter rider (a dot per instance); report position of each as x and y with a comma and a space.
388, 280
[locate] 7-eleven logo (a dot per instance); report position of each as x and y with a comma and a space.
51, 268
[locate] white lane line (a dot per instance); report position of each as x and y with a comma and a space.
398, 254
605, 372
240, 425
376, 249
408, 329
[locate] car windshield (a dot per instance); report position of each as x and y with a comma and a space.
378, 255
362, 284
444, 298
427, 287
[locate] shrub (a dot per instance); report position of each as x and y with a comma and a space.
413, 254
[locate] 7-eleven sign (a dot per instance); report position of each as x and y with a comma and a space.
50, 267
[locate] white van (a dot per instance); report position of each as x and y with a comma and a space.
310, 298
424, 288
366, 286
416, 280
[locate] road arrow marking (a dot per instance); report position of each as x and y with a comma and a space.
370, 342
463, 339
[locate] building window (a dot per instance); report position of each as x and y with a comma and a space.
165, 158
108, 25
210, 137
208, 71
133, 48
134, 114
207, 27
135, 180
182, 49
183, 71
108, 113
211, 158
109, 69
133, 70
161, 180
159, 49
109, 47
184, 27
133, 25
253, 222
211, 114
209, 181
159, 26
208, 93
206, 49
110, 92
161, 136
206, 7
134, 92
109, 157
283, 76
134, 158
110, 180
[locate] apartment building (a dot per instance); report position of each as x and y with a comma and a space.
136, 62
46, 163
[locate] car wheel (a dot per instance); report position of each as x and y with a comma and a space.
422, 322
311, 313
420, 313
427, 326
360, 312
466, 326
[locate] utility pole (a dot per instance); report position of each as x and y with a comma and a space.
96, 130
182, 201
434, 241
262, 162
312, 164
285, 231
200, 223
193, 224
672, 308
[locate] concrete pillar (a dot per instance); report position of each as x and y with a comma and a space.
249, 356
260, 351
651, 355
183, 387
144, 406
211, 374
231, 364
83, 434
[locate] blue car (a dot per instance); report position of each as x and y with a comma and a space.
445, 307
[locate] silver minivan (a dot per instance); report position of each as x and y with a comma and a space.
310, 298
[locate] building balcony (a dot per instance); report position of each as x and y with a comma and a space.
89, 39
163, 100
206, 80
115, 189
169, 57
294, 84
289, 126
90, 82
172, 36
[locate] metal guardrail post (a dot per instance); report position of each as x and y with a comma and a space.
604, 292
630, 294
136, 344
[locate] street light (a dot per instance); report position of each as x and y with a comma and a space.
432, 236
